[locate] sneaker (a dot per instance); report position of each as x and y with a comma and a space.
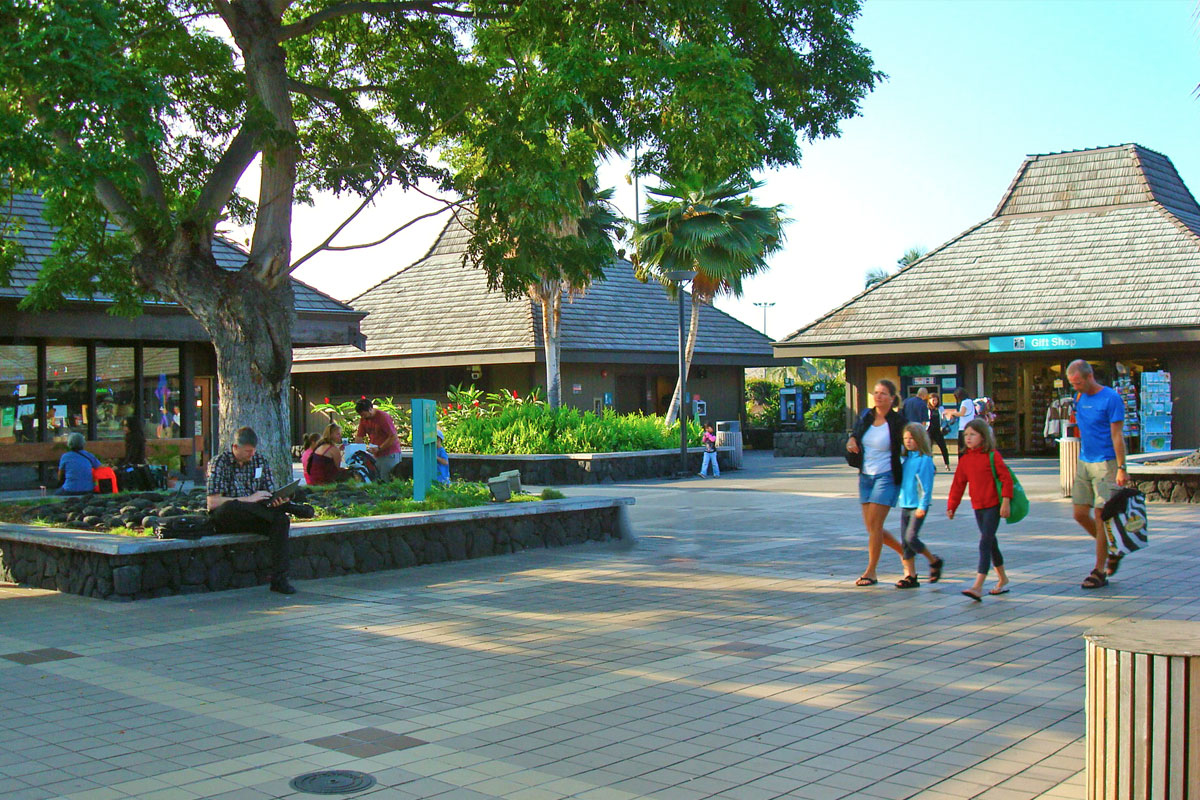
300, 510
282, 586
701, 474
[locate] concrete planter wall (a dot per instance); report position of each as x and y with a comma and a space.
581, 468
126, 568
793, 444
1165, 484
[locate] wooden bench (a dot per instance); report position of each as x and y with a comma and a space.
103, 449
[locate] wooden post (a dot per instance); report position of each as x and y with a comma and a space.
1143, 711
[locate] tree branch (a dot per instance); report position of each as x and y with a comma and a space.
342, 226
234, 162
341, 248
371, 7
328, 93
152, 185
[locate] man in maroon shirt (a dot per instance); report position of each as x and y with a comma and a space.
376, 427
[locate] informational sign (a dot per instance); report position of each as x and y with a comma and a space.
949, 383
1038, 342
424, 437
608, 399
576, 388
928, 369
924, 380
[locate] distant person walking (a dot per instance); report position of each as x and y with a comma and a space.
709, 440
938, 427
916, 493
964, 413
875, 445
1100, 415
916, 408
975, 471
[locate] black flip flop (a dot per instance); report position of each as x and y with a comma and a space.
865, 581
972, 595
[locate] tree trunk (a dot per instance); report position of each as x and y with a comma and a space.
551, 320
688, 352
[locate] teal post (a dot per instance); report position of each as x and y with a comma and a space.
424, 436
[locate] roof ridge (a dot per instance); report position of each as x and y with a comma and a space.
437, 240
888, 279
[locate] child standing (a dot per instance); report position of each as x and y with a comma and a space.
709, 440
916, 492
975, 471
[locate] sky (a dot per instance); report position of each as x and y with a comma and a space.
973, 87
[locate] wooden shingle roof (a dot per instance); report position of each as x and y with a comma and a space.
36, 237
1099, 239
441, 306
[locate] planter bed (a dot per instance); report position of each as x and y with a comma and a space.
130, 568
578, 468
1165, 483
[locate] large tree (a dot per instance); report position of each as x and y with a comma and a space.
712, 229
137, 119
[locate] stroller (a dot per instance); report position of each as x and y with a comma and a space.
361, 463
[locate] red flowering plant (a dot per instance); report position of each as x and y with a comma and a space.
347, 418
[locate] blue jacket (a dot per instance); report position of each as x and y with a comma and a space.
916, 488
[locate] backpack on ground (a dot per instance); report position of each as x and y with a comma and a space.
185, 526
363, 465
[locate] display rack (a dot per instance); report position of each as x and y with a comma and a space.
1004, 397
1156, 409
1125, 386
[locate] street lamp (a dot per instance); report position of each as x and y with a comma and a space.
764, 306
680, 277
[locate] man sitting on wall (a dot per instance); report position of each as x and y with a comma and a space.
376, 427
240, 487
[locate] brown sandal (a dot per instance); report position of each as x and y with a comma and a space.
1114, 563
1095, 579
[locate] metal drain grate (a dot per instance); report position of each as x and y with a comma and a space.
333, 781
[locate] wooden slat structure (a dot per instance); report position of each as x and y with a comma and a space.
1143, 711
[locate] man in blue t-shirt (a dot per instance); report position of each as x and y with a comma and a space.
916, 408
1100, 416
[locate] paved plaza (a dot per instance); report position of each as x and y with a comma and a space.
726, 654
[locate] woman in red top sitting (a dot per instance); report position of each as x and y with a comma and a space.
325, 463
975, 471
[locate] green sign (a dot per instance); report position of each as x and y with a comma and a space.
424, 437
1038, 342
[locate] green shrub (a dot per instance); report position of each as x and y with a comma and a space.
531, 428
552, 494
829, 415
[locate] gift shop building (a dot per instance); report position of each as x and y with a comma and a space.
1090, 254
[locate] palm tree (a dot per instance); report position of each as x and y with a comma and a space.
597, 220
874, 276
880, 274
910, 255
713, 229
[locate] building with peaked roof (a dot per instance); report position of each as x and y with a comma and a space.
81, 369
435, 324
1090, 254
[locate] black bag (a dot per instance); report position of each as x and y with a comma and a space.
854, 459
185, 526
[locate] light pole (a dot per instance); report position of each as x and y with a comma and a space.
679, 277
764, 306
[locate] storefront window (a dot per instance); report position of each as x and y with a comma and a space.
160, 392
66, 391
18, 393
115, 390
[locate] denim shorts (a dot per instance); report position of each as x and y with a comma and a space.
879, 489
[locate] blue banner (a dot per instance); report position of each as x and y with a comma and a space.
1037, 342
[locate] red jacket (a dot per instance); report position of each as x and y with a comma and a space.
975, 470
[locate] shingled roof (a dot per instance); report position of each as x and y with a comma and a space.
441, 306
36, 236
1059, 252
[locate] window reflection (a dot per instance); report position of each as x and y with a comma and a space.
66, 391
160, 392
115, 390
18, 393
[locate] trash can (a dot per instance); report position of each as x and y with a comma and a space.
1068, 462
1142, 692
729, 434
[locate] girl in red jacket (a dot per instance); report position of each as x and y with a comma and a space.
975, 470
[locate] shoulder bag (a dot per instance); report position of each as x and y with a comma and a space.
1018, 506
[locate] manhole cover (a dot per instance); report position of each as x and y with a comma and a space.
333, 781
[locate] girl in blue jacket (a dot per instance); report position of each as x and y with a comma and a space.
916, 492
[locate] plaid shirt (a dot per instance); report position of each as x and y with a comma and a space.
229, 478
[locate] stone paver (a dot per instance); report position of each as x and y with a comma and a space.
727, 654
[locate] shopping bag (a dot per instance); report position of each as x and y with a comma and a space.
1018, 506
1125, 522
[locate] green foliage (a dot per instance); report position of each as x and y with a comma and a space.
551, 494
344, 415
527, 429
829, 415
760, 391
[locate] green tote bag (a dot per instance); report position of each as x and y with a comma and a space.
1018, 507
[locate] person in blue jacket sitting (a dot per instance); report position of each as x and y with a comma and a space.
75, 467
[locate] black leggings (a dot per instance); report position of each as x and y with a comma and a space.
910, 526
988, 520
939, 440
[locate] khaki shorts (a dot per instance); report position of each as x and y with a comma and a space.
1095, 482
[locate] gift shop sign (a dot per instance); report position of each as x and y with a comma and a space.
1036, 342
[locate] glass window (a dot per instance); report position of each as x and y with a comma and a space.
66, 391
115, 390
18, 393
160, 392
